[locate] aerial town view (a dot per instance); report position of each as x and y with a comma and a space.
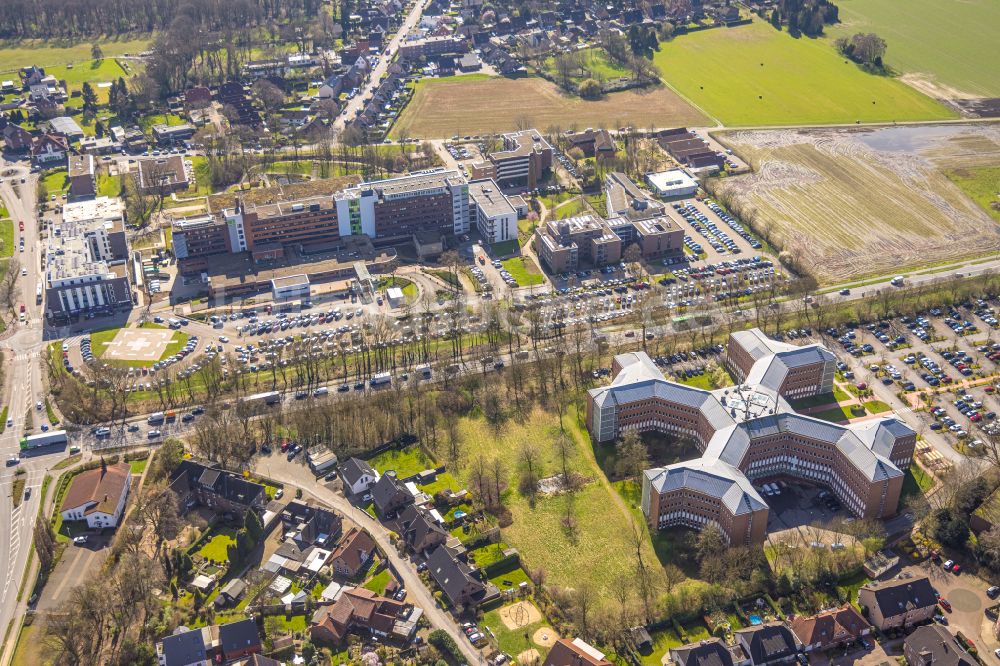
477, 333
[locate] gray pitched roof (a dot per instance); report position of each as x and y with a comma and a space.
768, 643
181, 649
353, 469
717, 480
451, 575
897, 596
238, 635
939, 643
711, 652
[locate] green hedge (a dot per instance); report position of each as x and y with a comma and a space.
503, 565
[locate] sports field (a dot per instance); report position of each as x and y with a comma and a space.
755, 75
842, 201
948, 44
462, 105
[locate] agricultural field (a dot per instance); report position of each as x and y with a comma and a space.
840, 201
785, 81
982, 184
462, 105
49, 53
964, 60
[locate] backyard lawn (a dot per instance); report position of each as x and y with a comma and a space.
99, 73
378, 582
514, 641
524, 270
216, 549
405, 462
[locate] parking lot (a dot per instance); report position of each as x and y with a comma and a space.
944, 353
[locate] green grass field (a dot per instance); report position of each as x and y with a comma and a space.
595, 544
56, 181
513, 641
755, 75
48, 53
594, 64
950, 42
138, 466
982, 184
94, 71
6, 238
108, 186
378, 582
837, 414
524, 270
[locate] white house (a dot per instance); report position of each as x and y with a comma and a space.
358, 475
98, 496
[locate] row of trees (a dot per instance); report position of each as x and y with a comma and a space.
49, 19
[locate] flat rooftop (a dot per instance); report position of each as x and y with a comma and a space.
520, 144
414, 183
81, 165
103, 209
487, 195
281, 209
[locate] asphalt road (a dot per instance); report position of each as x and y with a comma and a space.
24, 384
357, 103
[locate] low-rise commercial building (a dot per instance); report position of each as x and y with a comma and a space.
672, 183
85, 261
166, 135
98, 496
163, 175
749, 433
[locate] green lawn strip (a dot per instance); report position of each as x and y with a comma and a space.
108, 186
17, 489
410, 291
138, 466
877, 407
6, 238
51, 413
504, 248
663, 640
68, 461
216, 549
703, 382
378, 582
405, 462
56, 181
849, 585
486, 555
524, 270
982, 184
756, 75
916, 481
837, 414
446, 276
3, 419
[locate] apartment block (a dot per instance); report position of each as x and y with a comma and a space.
494, 215
82, 176
85, 261
748, 435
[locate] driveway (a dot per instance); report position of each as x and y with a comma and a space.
76, 566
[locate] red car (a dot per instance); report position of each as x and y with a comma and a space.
943, 603
861, 386
22, 225
285, 446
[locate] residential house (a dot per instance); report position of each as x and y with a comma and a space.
98, 495
49, 148
82, 176
16, 138
771, 643
709, 652
354, 553
310, 525
331, 88
357, 610
833, 628
419, 531
357, 475
239, 639
187, 647
934, 645
195, 483
575, 652
389, 496
901, 602
454, 578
